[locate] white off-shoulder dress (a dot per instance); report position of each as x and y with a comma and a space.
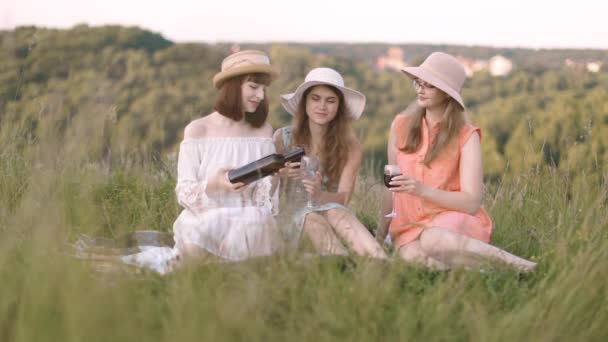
231, 226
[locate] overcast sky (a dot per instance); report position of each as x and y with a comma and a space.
529, 23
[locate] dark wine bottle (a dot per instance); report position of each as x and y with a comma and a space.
295, 155
264, 167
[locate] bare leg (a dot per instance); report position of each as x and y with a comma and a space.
460, 250
413, 253
348, 227
384, 222
321, 236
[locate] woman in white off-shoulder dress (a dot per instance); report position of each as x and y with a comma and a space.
232, 223
223, 220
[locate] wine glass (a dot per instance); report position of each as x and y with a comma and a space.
391, 171
310, 166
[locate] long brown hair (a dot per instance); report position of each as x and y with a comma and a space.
230, 104
334, 153
452, 121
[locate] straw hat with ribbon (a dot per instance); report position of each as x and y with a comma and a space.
354, 101
242, 63
442, 71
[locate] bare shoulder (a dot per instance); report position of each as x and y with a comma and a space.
473, 140
197, 128
266, 130
277, 137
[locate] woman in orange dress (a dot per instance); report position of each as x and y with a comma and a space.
440, 221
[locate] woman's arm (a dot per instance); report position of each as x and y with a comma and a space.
468, 199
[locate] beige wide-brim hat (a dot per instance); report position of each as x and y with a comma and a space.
243, 63
354, 101
443, 71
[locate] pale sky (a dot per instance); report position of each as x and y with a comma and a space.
506, 23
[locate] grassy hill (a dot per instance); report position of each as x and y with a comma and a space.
89, 118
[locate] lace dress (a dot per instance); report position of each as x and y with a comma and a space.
232, 226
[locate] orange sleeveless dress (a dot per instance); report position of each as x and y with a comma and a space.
415, 213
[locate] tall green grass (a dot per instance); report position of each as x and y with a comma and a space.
47, 295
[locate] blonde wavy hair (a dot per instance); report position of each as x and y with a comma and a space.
452, 121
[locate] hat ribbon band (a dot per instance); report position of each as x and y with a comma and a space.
247, 61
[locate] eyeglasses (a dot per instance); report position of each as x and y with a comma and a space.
418, 85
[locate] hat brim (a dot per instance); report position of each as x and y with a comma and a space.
354, 101
430, 78
222, 76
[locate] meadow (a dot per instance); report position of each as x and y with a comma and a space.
48, 295
91, 118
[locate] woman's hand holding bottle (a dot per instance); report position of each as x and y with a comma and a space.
219, 182
291, 171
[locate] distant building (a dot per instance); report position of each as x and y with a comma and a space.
471, 66
594, 66
589, 66
570, 63
497, 65
395, 53
500, 66
392, 60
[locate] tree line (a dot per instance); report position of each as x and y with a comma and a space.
112, 93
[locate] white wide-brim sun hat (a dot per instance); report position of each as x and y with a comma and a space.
354, 101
